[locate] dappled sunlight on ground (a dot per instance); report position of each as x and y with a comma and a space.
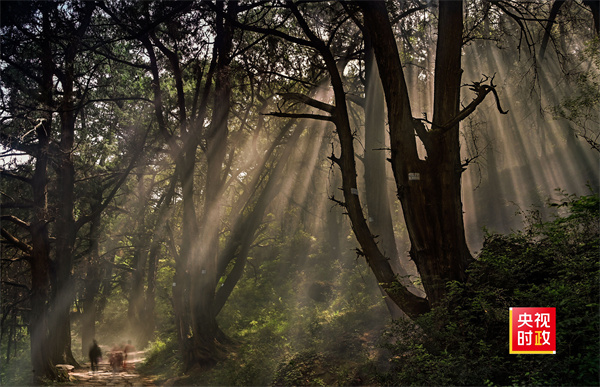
105, 376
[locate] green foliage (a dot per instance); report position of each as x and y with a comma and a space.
581, 107
162, 360
464, 341
311, 368
280, 329
16, 371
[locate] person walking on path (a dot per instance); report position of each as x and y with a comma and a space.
128, 354
95, 356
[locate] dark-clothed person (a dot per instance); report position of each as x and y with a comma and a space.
95, 356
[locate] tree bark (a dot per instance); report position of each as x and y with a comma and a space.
429, 190
65, 230
375, 168
411, 304
93, 280
205, 343
40, 260
63, 291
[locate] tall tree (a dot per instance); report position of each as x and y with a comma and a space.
63, 289
429, 189
50, 76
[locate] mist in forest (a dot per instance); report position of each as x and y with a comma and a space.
232, 189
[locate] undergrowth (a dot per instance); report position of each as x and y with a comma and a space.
464, 341
284, 338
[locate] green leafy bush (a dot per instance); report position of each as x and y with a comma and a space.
464, 341
17, 372
162, 360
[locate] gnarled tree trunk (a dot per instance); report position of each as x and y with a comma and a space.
429, 190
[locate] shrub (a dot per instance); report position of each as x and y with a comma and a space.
464, 341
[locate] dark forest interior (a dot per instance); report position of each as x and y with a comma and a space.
298, 192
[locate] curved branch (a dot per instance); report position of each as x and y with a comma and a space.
482, 91
413, 305
309, 101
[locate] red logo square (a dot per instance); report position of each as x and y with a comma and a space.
532, 331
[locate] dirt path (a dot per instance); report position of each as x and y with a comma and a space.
106, 377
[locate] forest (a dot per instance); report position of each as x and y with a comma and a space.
299, 192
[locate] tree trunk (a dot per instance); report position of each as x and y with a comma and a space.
375, 168
63, 293
429, 190
207, 337
203, 268
40, 260
65, 231
147, 329
40, 263
92, 287
411, 304
135, 310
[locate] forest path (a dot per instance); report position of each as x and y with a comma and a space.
106, 377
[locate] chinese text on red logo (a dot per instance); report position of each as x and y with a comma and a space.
532, 330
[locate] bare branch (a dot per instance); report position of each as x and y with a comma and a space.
309, 101
15, 220
301, 115
15, 284
16, 242
482, 91
360, 101
338, 202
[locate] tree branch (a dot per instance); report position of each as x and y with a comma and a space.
301, 115
410, 11
266, 31
16, 242
134, 158
15, 284
15, 220
13, 176
309, 101
482, 91
360, 101
548, 28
